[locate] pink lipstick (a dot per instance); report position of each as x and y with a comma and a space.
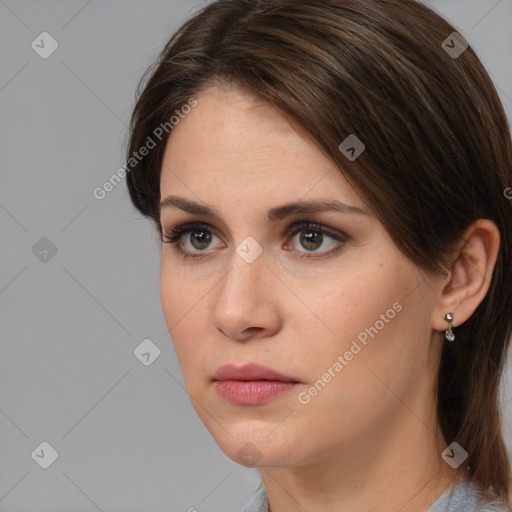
251, 384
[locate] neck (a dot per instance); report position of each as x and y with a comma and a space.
400, 468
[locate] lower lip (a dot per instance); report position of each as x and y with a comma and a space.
252, 392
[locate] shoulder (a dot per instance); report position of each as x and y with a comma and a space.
259, 501
465, 497
461, 497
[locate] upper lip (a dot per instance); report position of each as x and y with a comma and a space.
249, 371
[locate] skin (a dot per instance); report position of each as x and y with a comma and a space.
369, 440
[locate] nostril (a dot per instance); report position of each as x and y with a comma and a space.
251, 332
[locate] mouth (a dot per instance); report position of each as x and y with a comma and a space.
251, 384
250, 371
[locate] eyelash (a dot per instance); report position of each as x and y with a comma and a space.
176, 233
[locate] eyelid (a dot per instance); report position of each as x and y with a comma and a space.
174, 234
296, 227
300, 225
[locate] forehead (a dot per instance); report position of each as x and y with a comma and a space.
236, 148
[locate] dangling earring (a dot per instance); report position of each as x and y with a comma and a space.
449, 333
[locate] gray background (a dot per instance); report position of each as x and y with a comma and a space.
126, 436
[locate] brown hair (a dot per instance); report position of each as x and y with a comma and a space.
438, 152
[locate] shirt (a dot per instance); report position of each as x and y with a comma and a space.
461, 497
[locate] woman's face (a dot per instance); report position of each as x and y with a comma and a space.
261, 276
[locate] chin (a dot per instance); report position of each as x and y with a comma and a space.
251, 445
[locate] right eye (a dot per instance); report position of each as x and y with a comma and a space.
199, 238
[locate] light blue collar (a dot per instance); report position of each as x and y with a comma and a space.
461, 497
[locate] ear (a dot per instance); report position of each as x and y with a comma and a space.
469, 276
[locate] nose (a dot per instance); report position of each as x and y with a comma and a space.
247, 301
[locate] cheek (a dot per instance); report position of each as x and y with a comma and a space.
368, 322
356, 303
380, 348
181, 288
183, 305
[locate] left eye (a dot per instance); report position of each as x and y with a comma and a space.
314, 239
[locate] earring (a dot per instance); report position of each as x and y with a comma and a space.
449, 333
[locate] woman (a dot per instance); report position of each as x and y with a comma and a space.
327, 178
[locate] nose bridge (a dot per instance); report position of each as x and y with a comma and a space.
242, 282
244, 299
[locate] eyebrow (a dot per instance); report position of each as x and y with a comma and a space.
274, 214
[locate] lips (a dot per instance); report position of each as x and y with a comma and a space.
250, 371
251, 384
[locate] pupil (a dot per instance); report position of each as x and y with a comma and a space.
200, 239
311, 239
